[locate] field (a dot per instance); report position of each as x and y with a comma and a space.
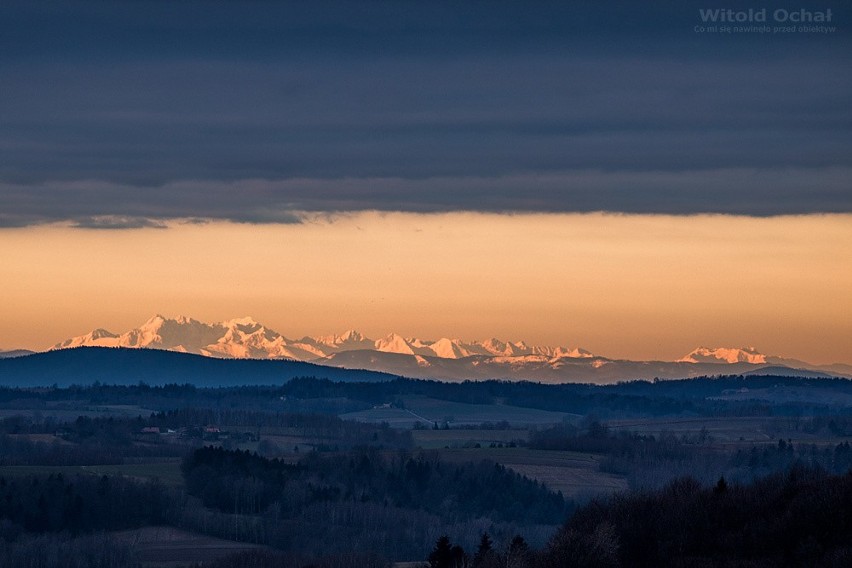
67, 411
428, 411
166, 470
728, 432
781, 394
463, 437
575, 474
162, 547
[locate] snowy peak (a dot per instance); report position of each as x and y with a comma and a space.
97, 338
394, 343
350, 336
521, 349
348, 340
245, 337
495, 347
156, 321
168, 333
101, 334
724, 355
245, 323
449, 349
573, 353
181, 333
444, 358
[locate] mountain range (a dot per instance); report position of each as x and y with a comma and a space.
245, 338
445, 358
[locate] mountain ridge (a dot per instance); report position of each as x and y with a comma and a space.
15, 353
246, 338
444, 358
157, 367
726, 354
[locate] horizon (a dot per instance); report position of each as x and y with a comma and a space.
635, 287
376, 338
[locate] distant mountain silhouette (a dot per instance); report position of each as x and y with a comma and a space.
15, 353
122, 366
781, 371
126, 366
443, 359
245, 338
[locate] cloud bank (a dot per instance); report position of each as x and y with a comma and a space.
126, 115
758, 192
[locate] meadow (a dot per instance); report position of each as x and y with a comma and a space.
166, 471
428, 411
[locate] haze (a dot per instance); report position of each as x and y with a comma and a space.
631, 286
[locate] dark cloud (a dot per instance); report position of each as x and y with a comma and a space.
160, 110
759, 192
117, 222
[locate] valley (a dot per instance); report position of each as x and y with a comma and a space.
340, 444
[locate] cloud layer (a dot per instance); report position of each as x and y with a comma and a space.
119, 116
110, 205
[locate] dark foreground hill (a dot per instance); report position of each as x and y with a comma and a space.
86, 365
799, 517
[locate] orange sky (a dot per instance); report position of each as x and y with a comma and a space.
633, 286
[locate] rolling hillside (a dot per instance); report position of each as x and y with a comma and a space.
86, 365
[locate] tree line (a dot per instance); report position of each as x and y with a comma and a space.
305, 394
240, 481
799, 517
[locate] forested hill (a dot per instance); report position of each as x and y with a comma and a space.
86, 365
121, 366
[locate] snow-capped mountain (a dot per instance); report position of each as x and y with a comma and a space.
244, 338
241, 338
444, 358
347, 341
724, 355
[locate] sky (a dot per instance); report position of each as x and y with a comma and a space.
611, 175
